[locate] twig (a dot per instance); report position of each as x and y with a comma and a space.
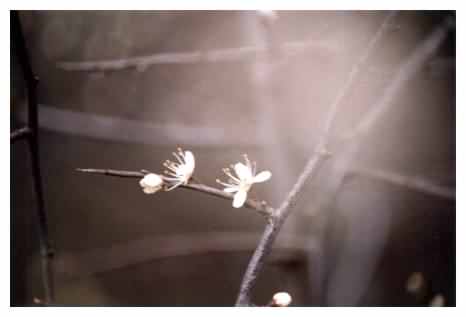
415, 183
259, 206
406, 71
272, 229
355, 140
355, 71
212, 56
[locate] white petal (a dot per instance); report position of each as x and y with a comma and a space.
240, 198
262, 177
189, 161
243, 172
230, 189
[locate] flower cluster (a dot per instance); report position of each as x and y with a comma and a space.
180, 172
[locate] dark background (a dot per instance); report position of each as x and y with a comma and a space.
118, 246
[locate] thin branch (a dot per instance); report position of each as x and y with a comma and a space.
414, 183
346, 154
405, 73
244, 53
272, 229
356, 69
110, 172
259, 206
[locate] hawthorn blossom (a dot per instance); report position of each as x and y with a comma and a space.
180, 172
242, 182
151, 183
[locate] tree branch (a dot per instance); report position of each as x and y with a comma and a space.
405, 73
354, 140
273, 228
31, 133
260, 206
212, 56
415, 183
355, 71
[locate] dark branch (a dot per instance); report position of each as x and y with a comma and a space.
273, 228
45, 244
414, 183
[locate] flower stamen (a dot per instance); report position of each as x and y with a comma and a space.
242, 182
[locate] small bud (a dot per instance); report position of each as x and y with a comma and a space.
37, 301
151, 183
437, 301
415, 283
281, 299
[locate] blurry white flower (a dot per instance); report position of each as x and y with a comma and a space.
151, 183
437, 301
281, 299
180, 171
415, 282
242, 182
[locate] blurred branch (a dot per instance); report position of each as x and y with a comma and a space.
73, 264
260, 206
405, 73
415, 183
355, 139
244, 53
317, 157
355, 70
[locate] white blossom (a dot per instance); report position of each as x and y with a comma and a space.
242, 182
151, 183
180, 172
281, 299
